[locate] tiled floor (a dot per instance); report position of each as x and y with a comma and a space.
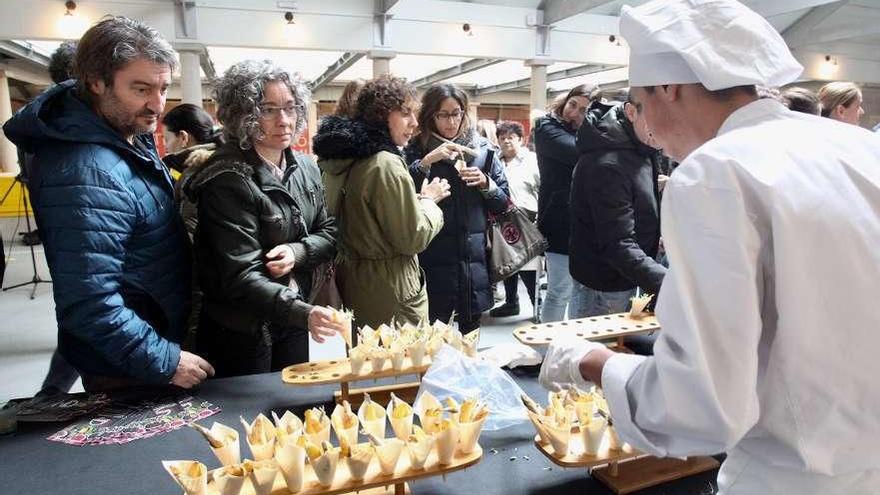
28, 329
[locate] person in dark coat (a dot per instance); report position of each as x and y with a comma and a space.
104, 202
262, 228
555, 137
615, 211
455, 262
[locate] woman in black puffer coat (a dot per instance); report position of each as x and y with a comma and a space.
455, 262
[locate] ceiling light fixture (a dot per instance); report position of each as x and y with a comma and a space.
288, 16
70, 5
466, 27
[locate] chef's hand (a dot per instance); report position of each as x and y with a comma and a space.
280, 260
191, 370
474, 177
322, 323
562, 362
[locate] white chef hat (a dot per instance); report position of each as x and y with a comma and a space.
719, 43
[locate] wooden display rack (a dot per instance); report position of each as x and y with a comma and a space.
595, 328
627, 470
339, 371
374, 483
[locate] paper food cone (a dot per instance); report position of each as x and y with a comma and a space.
262, 475
400, 414
318, 428
386, 335
446, 440
416, 352
325, 467
397, 355
368, 336
288, 425
434, 345
539, 426
559, 437
639, 304
356, 358
388, 454
260, 437
591, 434
378, 356
430, 412
372, 417
613, 439
469, 435
291, 460
419, 447
229, 479
350, 432
470, 343
230, 453
359, 460
345, 318
192, 476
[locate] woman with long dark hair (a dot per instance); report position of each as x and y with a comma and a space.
455, 262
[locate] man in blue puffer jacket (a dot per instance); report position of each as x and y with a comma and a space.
104, 204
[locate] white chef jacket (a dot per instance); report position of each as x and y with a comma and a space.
771, 326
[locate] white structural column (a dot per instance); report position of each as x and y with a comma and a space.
538, 98
381, 61
190, 77
8, 154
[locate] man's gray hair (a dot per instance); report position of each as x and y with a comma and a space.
113, 43
239, 92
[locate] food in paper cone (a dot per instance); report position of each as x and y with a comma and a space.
446, 438
539, 426
378, 356
260, 437
372, 417
344, 316
430, 412
582, 402
345, 423
368, 337
419, 445
386, 335
357, 457
397, 354
224, 442
591, 433
453, 408
613, 439
291, 459
262, 475
434, 345
416, 351
324, 465
454, 338
470, 343
401, 416
316, 425
192, 476
287, 425
559, 437
356, 358
229, 479
640, 305
388, 452
470, 421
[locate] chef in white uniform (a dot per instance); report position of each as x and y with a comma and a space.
770, 313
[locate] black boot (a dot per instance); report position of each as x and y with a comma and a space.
506, 309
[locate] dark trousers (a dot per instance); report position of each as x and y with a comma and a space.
61, 376
234, 353
511, 286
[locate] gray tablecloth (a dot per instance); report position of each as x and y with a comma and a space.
31, 464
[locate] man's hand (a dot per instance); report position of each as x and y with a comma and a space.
281, 260
562, 362
191, 370
323, 322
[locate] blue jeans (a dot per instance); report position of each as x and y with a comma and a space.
558, 288
590, 302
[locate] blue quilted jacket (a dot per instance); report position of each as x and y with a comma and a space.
115, 245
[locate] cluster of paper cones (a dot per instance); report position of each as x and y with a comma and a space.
289, 445
390, 344
573, 412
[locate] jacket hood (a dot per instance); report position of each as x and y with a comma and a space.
189, 157
60, 115
607, 128
340, 142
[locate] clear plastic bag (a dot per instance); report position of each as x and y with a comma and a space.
452, 374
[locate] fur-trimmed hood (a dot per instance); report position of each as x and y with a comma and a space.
340, 142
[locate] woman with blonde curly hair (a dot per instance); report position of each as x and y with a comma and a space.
262, 227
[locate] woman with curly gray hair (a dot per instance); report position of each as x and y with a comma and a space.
262, 228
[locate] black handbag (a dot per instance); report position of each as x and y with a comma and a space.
513, 241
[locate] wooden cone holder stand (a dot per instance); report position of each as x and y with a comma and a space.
339, 371
595, 328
